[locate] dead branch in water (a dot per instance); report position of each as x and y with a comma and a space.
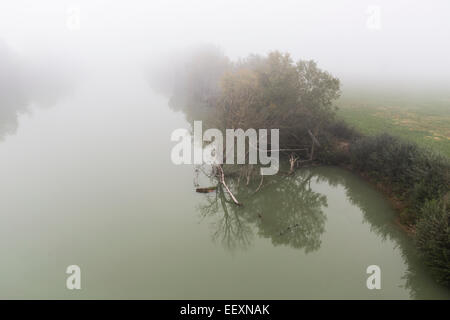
260, 184
222, 180
292, 160
249, 173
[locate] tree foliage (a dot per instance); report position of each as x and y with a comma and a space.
274, 92
256, 92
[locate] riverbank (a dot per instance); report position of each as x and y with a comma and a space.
396, 203
415, 180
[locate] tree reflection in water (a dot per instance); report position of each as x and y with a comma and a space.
285, 210
288, 212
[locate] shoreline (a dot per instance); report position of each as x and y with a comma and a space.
397, 205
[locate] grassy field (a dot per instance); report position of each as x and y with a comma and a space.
424, 119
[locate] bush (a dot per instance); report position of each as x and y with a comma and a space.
433, 238
415, 174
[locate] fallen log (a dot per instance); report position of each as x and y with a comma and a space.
206, 190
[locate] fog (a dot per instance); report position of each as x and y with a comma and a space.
85, 147
361, 42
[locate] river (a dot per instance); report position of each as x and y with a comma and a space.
89, 181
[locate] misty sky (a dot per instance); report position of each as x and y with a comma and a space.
408, 41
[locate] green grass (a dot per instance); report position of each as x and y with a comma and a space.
424, 120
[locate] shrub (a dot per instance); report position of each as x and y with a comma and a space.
433, 238
414, 173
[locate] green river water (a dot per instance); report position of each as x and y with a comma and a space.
89, 181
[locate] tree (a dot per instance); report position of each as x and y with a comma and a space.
274, 92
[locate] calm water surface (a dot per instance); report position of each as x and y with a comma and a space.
89, 181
